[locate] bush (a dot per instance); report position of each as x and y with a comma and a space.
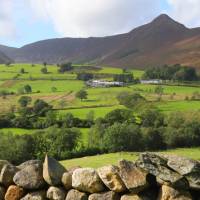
131, 100
153, 139
56, 142
22, 148
119, 115
122, 137
65, 67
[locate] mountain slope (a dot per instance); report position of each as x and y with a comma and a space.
163, 41
4, 59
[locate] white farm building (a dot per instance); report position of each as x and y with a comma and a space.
151, 81
102, 83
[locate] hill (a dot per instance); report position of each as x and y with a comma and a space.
4, 58
162, 41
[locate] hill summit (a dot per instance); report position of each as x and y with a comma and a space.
162, 41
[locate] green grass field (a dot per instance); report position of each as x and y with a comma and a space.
17, 131
113, 158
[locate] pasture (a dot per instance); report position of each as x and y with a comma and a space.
113, 158
59, 90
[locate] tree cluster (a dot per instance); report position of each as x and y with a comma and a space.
84, 76
125, 78
156, 131
65, 67
175, 72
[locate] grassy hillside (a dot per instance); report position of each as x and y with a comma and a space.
59, 90
113, 158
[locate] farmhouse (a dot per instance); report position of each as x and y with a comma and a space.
151, 81
102, 83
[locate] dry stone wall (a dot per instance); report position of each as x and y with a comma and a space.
151, 177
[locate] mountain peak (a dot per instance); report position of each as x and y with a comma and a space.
163, 18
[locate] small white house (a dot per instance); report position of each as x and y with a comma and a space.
151, 81
102, 83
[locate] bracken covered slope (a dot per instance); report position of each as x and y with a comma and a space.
163, 41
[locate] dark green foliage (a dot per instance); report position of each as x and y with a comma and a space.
84, 76
131, 100
44, 70
122, 137
24, 101
69, 121
27, 89
119, 115
56, 142
125, 77
65, 67
176, 72
16, 149
41, 107
22, 71
153, 139
152, 118
82, 94
182, 132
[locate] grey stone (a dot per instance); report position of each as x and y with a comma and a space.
67, 180
52, 171
38, 195
169, 193
7, 174
29, 162
188, 168
87, 180
2, 163
105, 196
111, 178
135, 178
76, 195
55, 193
157, 166
30, 177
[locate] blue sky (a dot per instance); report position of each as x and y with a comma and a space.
26, 21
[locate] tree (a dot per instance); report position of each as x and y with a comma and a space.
22, 71
131, 100
84, 76
27, 89
153, 139
41, 107
44, 70
54, 89
122, 137
152, 118
125, 78
82, 94
119, 115
65, 67
50, 118
24, 101
56, 142
45, 64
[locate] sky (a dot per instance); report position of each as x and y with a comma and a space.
27, 21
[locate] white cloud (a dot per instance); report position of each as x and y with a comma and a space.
186, 11
82, 18
7, 25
